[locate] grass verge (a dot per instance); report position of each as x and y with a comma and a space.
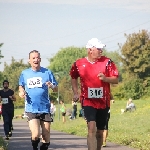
131, 129
3, 144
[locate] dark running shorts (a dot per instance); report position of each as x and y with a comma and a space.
46, 117
63, 114
97, 115
107, 120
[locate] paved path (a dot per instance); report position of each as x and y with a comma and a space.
59, 141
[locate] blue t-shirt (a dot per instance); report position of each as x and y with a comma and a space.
37, 95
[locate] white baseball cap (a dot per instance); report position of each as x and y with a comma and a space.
94, 42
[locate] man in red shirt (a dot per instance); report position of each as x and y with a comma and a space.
96, 73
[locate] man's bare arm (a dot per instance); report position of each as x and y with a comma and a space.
112, 80
74, 83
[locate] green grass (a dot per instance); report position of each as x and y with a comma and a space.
3, 144
18, 112
132, 129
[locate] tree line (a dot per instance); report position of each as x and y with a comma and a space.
131, 58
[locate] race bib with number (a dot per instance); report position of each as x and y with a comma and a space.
34, 82
4, 100
95, 92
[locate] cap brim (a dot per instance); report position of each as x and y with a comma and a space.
101, 46
97, 46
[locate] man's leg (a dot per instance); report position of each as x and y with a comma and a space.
12, 128
105, 134
11, 114
99, 138
102, 119
34, 126
73, 112
45, 135
91, 138
90, 117
6, 124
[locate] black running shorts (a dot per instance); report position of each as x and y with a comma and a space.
97, 115
106, 125
63, 114
46, 117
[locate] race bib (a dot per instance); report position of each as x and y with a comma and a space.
34, 82
4, 100
95, 92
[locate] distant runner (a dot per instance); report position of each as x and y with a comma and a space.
7, 97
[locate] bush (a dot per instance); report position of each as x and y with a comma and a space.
3, 144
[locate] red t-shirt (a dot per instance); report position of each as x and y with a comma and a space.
94, 92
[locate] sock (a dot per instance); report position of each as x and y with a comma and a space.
44, 146
35, 144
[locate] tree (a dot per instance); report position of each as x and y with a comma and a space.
136, 54
114, 56
62, 61
11, 73
1, 44
1, 75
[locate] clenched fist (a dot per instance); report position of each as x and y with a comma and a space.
22, 94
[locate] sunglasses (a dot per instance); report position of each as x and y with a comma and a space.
99, 49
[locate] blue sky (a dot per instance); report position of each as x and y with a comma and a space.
48, 25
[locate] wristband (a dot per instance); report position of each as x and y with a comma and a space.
52, 86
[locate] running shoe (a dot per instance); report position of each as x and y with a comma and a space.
7, 137
104, 144
10, 134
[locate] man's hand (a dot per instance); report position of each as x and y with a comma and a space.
101, 76
11, 97
76, 97
49, 84
22, 94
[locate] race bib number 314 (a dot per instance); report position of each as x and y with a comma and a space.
95, 92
